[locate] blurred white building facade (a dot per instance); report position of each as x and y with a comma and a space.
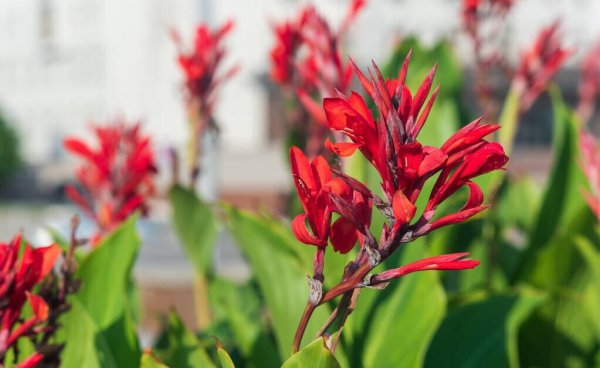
65, 63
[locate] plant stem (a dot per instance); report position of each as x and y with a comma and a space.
203, 313
308, 311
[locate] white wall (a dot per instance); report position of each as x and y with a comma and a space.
114, 57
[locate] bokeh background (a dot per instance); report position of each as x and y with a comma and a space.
66, 64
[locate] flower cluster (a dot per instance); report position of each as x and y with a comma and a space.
389, 141
307, 61
539, 64
591, 167
21, 269
117, 176
201, 65
589, 83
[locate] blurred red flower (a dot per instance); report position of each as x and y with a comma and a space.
539, 64
201, 64
306, 57
591, 167
117, 176
589, 83
21, 269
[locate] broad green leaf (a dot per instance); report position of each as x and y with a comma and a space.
591, 294
509, 121
239, 308
179, 347
522, 193
100, 320
399, 325
150, 361
560, 333
562, 195
196, 226
279, 271
314, 355
482, 333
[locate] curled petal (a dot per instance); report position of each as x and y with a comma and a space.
302, 233
475, 196
343, 235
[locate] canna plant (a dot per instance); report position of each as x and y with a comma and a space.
390, 143
117, 177
22, 269
201, 67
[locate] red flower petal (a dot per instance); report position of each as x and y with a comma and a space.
39, 307
32, 361
404, 210
343, 235
343, 149
302, 233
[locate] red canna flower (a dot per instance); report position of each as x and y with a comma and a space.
591, 167
391, 145
539, 64
306, 60
21, 269
310, 179
116, 178
202, 63
589, 83
389, 140
321, 195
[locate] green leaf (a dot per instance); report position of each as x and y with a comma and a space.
560, 332
239, 308
482, 333
98, 330
179, 347
314, 355
150, 361
509, 119
562, 195
196, 226
224, 358
591, 295
280, 270
398, 327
